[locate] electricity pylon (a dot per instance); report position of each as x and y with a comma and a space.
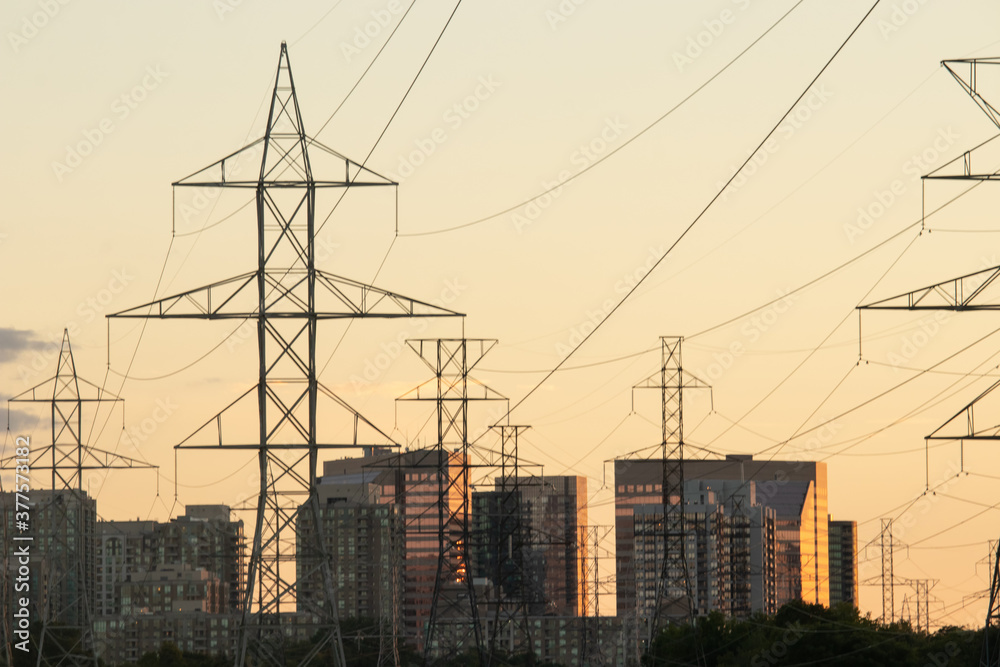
970, 292
674, 598
63, 522
991, 644
286, 296
454, 605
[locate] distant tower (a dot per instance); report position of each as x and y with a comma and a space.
991, 631
674, 598
453, 624
63, 518
888, 578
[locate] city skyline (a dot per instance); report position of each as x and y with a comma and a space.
489, 123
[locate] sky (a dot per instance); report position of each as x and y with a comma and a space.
111, 102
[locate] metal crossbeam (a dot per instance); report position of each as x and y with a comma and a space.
968, 292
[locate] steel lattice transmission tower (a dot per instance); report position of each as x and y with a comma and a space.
510, 579
888, 577
674, 598
971, 292
991, 632
454, 615
286, 296
65, 518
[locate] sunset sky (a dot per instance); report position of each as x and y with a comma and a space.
108, 103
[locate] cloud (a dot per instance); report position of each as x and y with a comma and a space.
22, 421
13, 342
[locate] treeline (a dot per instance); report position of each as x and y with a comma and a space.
807, 634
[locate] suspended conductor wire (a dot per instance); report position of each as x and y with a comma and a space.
626, 143
888, 391
370, 65
318, 21
771, 302
400, 105
815, 350
701, 214
347, 328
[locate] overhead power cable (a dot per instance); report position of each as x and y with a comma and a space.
626, 143
701, 214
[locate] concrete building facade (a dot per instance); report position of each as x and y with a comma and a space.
794, 491
843, 562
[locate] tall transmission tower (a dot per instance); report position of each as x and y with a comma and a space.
674, 598
286, 296
64, 520
510, 579
991, 632
969, 292
888, 577
453, 624
593, 644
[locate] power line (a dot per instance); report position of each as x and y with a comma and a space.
701, 214
626, 143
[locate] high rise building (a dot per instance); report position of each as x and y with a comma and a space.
179, 581
543, 563
796, 492
123, 547
729, 550
173, 589
413, 483
207, 537
204, 537
62, 570
362, 536
843, 562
